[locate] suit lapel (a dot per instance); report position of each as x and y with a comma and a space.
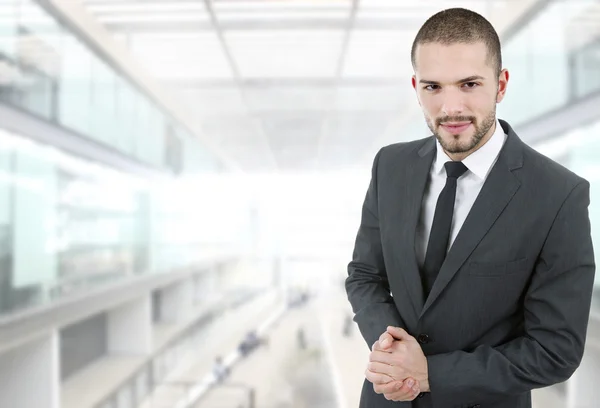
411, 188
499, 188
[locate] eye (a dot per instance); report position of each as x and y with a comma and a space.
471, 85
431, 87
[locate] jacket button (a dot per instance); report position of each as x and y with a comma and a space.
423, 338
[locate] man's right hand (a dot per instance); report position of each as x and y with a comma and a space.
394, 390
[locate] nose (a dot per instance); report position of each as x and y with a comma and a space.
453, 103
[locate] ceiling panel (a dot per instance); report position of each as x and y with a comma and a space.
261, 6
383, 54
289, 98
289, 53
374, 98
123, 7
181, 55
213, 101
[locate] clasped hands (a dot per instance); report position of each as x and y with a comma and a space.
397, 366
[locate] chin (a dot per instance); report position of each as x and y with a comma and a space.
456, 143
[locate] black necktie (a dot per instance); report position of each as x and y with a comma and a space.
442, 223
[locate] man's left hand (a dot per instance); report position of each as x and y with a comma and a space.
403, 359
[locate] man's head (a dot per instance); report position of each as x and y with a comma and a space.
459, 78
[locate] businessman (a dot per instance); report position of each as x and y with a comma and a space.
472, 272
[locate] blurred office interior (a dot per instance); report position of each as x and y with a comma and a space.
181, 184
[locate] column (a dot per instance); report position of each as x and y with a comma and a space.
177, 301
130, 328
29, 374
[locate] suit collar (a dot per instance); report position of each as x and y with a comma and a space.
512, 151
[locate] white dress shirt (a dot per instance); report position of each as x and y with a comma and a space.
468, 187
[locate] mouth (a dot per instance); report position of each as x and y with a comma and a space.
456, 128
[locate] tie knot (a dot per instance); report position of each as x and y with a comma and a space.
455, 169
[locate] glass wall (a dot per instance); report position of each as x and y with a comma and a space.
68, 225
586, 69
46, 70
552, 61
579, 150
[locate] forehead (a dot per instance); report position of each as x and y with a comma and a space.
440, 62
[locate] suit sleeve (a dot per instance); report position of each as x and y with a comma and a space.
367, 285
556, 313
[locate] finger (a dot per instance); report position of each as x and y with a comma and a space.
399, 333
381, 357
411, 396
380, 368
385, 340
377, 347
408, 392
377, 378
391, 387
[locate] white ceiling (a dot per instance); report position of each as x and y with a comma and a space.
288, 85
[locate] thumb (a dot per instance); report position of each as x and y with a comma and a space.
399, 333
385, 341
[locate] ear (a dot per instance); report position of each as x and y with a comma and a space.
414, 85
502, 85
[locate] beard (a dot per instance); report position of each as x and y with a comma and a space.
455, 145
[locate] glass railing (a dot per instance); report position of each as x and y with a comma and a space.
46, 70
69, 225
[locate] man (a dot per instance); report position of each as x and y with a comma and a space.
473, 267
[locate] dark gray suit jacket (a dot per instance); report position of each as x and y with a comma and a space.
509, 310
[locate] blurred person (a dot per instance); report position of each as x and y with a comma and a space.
220, 371
472, 272
249, 343
301, 338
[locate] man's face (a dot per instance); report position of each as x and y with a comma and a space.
457, 88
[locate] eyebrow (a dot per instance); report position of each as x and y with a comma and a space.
468, 79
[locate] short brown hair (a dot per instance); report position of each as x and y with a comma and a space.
459, 25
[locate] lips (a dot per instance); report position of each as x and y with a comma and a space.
456, 128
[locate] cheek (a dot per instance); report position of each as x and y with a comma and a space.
480, 105
430, 105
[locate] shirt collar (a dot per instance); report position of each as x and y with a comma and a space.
479, 162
